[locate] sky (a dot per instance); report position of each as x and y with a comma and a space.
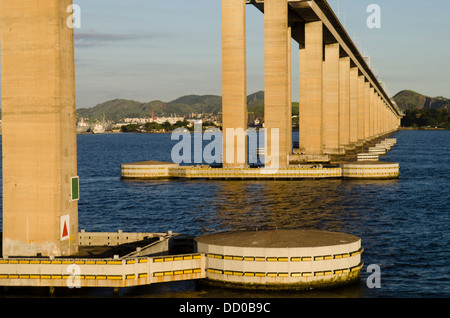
160, 50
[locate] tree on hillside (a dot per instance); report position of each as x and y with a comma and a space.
130, 128
426, 117
167, 126
152, 127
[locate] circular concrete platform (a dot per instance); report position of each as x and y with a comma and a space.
281, 259
370, 170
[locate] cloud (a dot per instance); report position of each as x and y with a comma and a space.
93, 38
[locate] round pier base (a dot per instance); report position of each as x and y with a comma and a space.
370, 170
281, 259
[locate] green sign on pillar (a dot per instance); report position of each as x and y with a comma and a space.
75, 188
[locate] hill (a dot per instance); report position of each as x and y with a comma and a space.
412, 103
407, 99
118, 109
421, 111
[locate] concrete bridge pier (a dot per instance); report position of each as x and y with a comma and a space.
344, 105
331, 100
277, 108
311, 85
341, 102
234, 84
40, 210
353, 106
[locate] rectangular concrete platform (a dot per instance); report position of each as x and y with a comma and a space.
107, 259
359, 166
147, 170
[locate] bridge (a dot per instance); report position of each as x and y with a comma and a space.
342, 106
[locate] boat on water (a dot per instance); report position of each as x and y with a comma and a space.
98, 129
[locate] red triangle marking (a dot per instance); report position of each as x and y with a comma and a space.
65, 232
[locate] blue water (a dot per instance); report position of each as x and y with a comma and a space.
403, 224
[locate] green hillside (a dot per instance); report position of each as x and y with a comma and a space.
113, 110
407, 99
118, 109
195, 104
420, 110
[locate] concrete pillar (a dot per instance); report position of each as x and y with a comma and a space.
383, 109
276, 82
390, 118
331, 99
378, 114
373, 113
381, 114
367, 111
395, 121
344, 103
40, 211
391, 121
234, 84
386, 117
361, 108
372, 117
311, 87
302, 122
353, 105
289, 145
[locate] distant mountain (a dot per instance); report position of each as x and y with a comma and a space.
118, 109
407, 99
195, 104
